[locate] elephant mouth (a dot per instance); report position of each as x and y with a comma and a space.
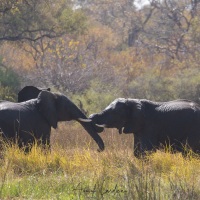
101, 125
100, 128
124, 130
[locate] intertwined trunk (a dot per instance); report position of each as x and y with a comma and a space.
89, 127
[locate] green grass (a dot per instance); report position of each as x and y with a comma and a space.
75, 170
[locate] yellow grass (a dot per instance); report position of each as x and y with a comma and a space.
74, 168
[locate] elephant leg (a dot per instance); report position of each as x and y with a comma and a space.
26, 145
148, 144
137, 146
45, 142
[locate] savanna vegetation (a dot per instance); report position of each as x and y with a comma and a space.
75, 170
93, 52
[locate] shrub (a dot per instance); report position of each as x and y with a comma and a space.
9, 84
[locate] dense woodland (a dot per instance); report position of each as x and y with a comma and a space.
97, 50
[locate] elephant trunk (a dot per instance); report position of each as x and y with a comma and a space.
89, 127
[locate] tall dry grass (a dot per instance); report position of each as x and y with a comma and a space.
75, 170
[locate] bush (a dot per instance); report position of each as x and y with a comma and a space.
9, 84
96, 98
184, 84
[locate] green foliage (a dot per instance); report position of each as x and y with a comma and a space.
35, 19
153, 86
162, 62
183, 84
97, 97
9, 84
72, 21
187, 84
8, 78
6, 93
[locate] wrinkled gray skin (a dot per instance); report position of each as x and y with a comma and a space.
175, 123
34, 118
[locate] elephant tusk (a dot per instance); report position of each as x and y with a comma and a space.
99, 125
84, 120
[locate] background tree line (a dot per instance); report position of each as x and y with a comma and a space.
95, 51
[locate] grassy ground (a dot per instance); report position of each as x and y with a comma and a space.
75, 170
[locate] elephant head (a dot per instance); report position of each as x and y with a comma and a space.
29, 92
124, 114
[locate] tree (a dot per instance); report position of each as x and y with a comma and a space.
32, 24
169, 29
32, 20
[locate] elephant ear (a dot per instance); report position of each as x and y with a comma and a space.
30, 92
27, 93
135, 120
46, 104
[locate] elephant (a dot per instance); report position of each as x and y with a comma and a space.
32, 120
30, 92
154, 124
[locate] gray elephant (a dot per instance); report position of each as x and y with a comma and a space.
32, 120
175, 123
